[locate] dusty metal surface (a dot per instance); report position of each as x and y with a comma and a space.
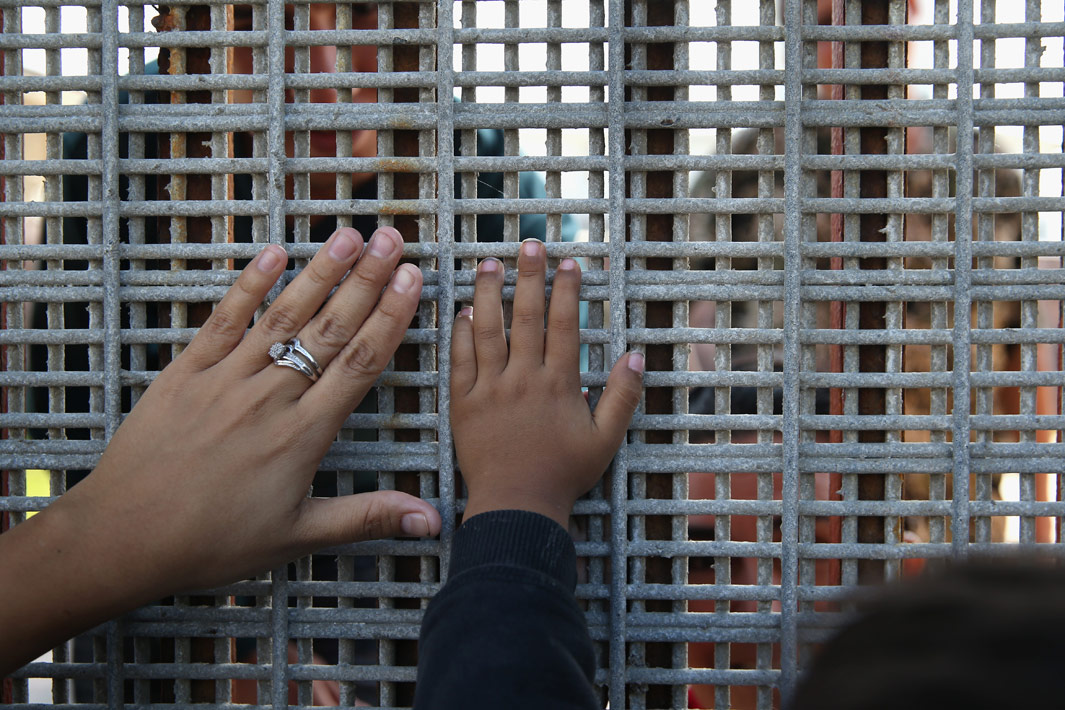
845, 268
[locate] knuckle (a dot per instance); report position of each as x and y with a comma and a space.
393, 310
530, 272
332, 330
361, 360
489, 334
222, 324
528, 319
319, 276
564, 322
281, 319
372, 521
368, 278
630, 395
521, 388
245, 287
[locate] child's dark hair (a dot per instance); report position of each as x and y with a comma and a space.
985, 634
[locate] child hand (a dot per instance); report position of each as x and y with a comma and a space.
524, 434
206, 480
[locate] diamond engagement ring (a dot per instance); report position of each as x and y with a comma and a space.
293, 354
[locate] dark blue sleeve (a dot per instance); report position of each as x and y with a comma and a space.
505, 631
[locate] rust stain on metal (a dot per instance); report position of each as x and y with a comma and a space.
398, 207
398, 165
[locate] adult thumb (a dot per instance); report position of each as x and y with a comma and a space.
367, 516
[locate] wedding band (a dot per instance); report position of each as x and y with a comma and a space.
293, 354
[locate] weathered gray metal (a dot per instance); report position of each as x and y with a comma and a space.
962, 279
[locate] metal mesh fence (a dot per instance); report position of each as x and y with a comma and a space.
835, 229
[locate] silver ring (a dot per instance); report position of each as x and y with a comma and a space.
293, 354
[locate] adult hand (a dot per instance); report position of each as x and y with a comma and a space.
524, 434
206, 480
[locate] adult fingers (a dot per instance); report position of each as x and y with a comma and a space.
365, 516
624, 388
463, 354
489, 338
330, 330
229, 321
354, 370
302, 298
563, 347
527, 323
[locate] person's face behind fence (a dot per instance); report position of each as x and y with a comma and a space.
322, 60
743, 571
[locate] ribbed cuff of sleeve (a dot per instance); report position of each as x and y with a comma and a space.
516, 538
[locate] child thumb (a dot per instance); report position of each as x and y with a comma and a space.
367, 516
624, 387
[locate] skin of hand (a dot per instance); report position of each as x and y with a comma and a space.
206, 481
524, 434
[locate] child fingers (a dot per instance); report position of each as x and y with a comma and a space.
624, 387
463, 354
302, 298
527, 323
355, 368
489, 339
229, 321
563, 347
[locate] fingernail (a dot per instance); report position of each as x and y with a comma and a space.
466, 312
531, 247
381, 245
343, 246
489, 265
414, 524
636, 363
268, 259
567, 265
403, 280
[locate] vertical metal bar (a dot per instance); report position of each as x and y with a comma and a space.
12, 481
849, 569
275, 99
138, 356
55, 359
789, 527
278, 638
637, 143
553, 178
766, 145
620, 477
937, 486
1033, 52
894, 311
445, 265
681, 352
963, 232
112, 305
597, 228
984, 231
511, 136
723, 363
392, 16
837, 400
808, 316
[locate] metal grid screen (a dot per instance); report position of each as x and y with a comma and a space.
834, 229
